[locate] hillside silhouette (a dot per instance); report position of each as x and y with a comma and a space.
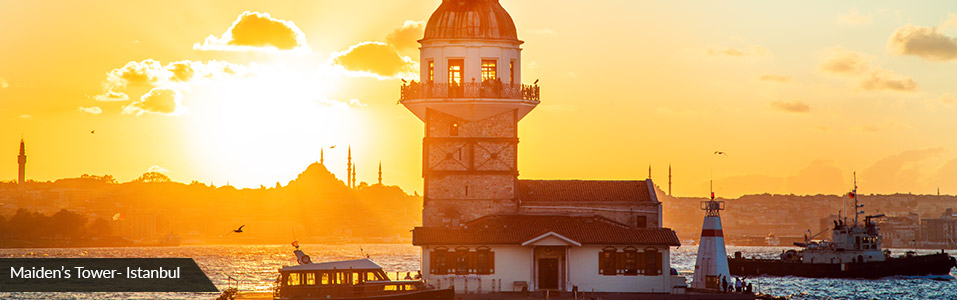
316, 207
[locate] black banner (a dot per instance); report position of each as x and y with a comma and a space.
103, 275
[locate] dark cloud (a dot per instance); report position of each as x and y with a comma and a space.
255, 30
376, 58
159, 101
791, 106
925, 42
407, 37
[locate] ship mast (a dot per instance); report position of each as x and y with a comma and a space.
854, 195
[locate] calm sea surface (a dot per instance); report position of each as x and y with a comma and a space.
255, 269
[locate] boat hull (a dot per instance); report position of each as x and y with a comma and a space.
444, 294
934, 264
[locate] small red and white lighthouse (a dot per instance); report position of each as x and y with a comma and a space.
712, 263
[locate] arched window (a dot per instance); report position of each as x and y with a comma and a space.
630, 261
440, 261
484, 261
608, 261
652, 263
461, 260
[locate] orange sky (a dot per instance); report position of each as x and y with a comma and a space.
798, 95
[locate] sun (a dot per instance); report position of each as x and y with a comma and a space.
266, 127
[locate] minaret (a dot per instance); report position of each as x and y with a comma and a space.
712, 263
471, 97
22, 161
322, 156
353, 175
669, 180
649, 171
349, 168
380, 176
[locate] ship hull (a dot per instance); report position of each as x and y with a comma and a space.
444, 294
934, 264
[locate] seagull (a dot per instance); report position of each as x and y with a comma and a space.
93, 131
332, 147
720, 153
536, 81
240, 230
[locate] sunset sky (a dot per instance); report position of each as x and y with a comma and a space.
799, 95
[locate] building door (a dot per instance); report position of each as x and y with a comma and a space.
548, 273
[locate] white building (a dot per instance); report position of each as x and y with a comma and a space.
483, 228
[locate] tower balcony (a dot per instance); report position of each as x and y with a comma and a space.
470, 101
487, 89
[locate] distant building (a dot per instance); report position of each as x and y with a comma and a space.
939, 233
22, 161
483, 228
900, 231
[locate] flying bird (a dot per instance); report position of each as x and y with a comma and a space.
240, 230
536, 81
332, 147
720, 153
93, 131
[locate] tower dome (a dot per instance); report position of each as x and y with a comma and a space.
470, 19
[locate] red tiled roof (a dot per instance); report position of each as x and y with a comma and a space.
584, 191
517, 229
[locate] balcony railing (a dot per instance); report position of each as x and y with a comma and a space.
487, 89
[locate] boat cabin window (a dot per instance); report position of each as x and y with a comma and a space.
310, 278
324, 278
293, 279
355, 278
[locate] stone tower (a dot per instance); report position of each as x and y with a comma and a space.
470, 98
22, 161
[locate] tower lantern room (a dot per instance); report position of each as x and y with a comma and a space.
470, 97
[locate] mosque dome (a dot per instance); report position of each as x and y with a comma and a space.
470, 19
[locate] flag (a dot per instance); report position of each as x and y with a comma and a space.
851, 195
295, 244
712, 195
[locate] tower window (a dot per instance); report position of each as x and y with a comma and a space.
454, 129
456, 67
489, 69
511, 72
431, 71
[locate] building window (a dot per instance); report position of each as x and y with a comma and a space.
608, 261
489, 68
431, 71
293, 279
511, 72
462, 258
440, 262
484, 261
456, 70
641, 221
454, 129
630, 261
652, 262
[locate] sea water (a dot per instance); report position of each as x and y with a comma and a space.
255, 268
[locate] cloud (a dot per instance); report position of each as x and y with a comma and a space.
888, 80
925, 42
947, 100
150, 73
26, 116
900, 172
93, 110
795, 106
3, 83
158, 169
407, 37
854, 18
775, 78
375, 59
872, 77
159, 101
752, 51
257, 31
